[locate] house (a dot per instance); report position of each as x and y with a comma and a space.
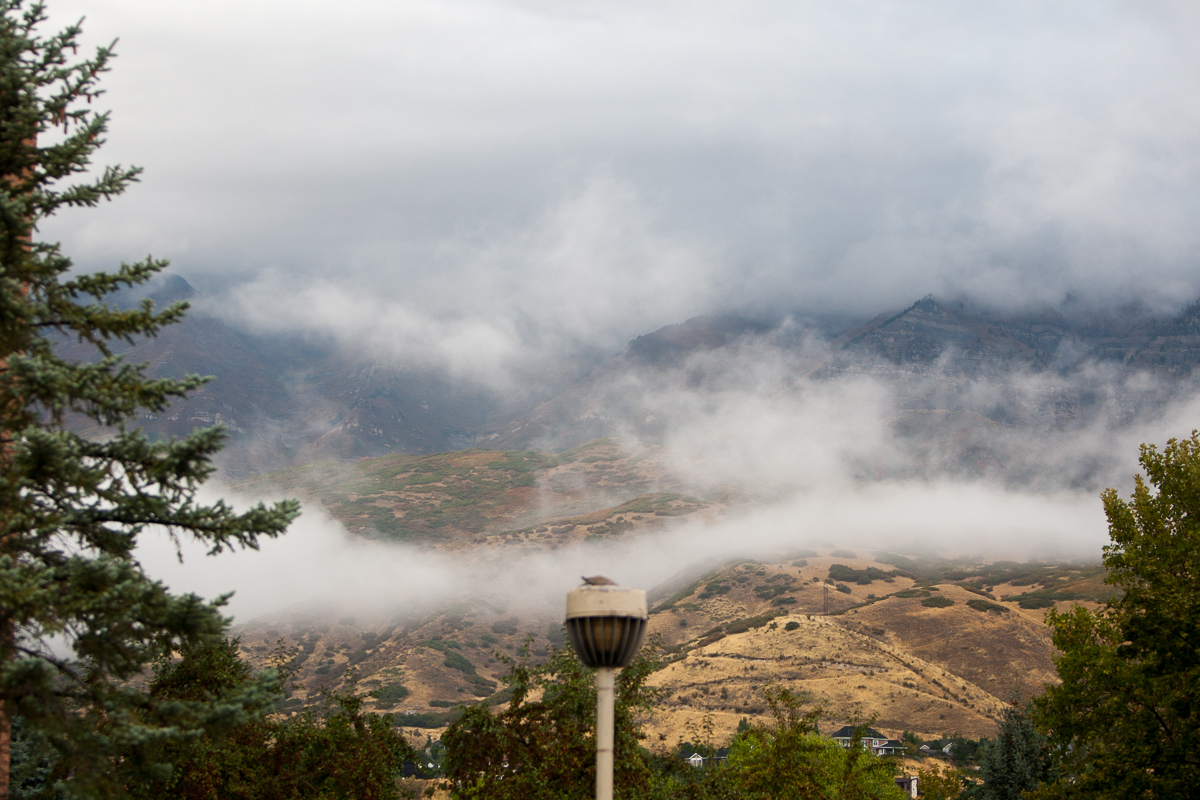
936, 749
891, 747
871, 738
908, 785
720, 757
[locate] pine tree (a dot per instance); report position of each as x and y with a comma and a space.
72, 508
1017, 761
338, 751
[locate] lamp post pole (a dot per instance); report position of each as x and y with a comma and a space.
606, 624
606, 681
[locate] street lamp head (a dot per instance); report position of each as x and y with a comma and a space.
606, 623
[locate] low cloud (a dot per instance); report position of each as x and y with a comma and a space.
508, 189
482, 182
317, 566
584, 273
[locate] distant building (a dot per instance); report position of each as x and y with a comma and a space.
908, 785
871, 740
720, 757
891, 747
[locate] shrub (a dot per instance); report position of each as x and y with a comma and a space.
843, 588
713, 588
841, 572
937, 602
791, 626
743, 625
390, 694
480, 686
984, 605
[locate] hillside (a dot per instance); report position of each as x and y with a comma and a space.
290, 399
474, 497
971, 392
876, 648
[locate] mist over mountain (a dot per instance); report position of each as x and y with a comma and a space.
448, 245
934, 388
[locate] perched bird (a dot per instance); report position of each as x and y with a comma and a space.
599, 580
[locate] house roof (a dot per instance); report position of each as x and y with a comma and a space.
847, 732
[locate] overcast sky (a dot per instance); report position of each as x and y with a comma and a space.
501, 174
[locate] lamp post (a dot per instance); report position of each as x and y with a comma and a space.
606, 624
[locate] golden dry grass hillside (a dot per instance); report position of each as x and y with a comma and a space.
854, 676
894, 646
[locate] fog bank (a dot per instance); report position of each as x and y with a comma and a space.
317, 566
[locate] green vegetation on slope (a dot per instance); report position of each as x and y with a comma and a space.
403, 496
477, 493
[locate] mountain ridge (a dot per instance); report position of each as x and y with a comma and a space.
287, 400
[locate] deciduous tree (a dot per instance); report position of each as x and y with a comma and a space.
1125, 720
789, 760
543, 744
935, 784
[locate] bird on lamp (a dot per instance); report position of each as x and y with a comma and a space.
598, 580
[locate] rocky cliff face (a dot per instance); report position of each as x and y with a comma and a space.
955, 378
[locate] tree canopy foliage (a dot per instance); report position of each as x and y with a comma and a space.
72, 507
788, 759
1125, 720
338, 751
1016, 761
542, 746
